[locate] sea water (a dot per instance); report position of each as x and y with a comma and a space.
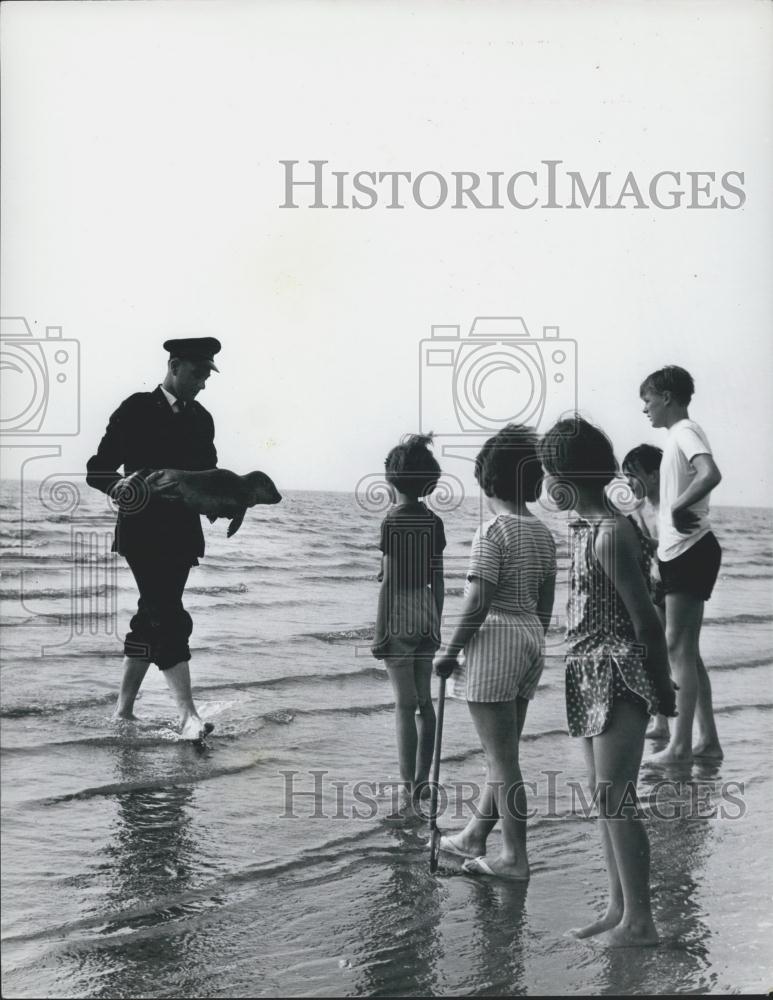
263, 863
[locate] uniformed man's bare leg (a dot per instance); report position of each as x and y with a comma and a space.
178, 678
134, 670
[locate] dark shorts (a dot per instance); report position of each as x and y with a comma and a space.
694, 571
160, 629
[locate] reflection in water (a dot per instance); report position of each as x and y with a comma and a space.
681, 847
400, 943
151, 862
153, 852
497, 937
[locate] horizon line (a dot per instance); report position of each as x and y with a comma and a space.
293, 489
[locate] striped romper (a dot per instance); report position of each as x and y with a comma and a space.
505, 657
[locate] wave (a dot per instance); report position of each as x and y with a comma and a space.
748, 562
19, 542
219, 565
745, 576
294, 680
218, 588
125, 787
124, 741
224, 648
210, 894
763, 661
739, 619
55, 559
465, 755
373, 709
84, 618
24, 711
338, 578
280, 602
763, 706
364, 633
50, 593
277, 683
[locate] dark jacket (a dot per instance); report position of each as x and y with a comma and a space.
145, 433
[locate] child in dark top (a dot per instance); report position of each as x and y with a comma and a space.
410, 605
641, 467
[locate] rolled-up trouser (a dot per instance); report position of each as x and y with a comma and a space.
160, 629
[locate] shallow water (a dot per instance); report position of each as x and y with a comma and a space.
138, 865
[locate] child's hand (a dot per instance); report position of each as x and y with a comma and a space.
666, 691
445, 664
685, 520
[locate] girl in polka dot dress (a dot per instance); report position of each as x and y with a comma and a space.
617, 671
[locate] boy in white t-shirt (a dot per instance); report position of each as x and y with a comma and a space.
689, 556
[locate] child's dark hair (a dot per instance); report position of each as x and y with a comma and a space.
646, 456
508, 466
671, 379
411, 467
577, 452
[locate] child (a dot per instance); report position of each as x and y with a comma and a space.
507, 608
689, 556
616, 667
409, 608
641, 467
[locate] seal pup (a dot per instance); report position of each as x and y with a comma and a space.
215, 492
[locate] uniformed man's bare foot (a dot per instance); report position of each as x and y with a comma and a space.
630, 935
194, 729
708, 751
124, 715
670, 755
611, 919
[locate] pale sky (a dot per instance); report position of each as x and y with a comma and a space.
141, 188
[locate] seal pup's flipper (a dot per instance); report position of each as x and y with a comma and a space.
236, 523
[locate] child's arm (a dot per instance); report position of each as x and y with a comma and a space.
476, 606
617, 549
707, 476
547, 593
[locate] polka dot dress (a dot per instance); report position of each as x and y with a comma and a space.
604, 662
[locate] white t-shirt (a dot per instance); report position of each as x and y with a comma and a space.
686, 439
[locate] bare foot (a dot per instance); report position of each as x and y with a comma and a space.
124, 716
611, 919
405, 812
708, 751
641, 935
194, 729
422, 799
658, 732
670, 756
422, 791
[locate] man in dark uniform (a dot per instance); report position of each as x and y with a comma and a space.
160, 538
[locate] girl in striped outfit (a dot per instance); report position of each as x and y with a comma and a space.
507, 608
